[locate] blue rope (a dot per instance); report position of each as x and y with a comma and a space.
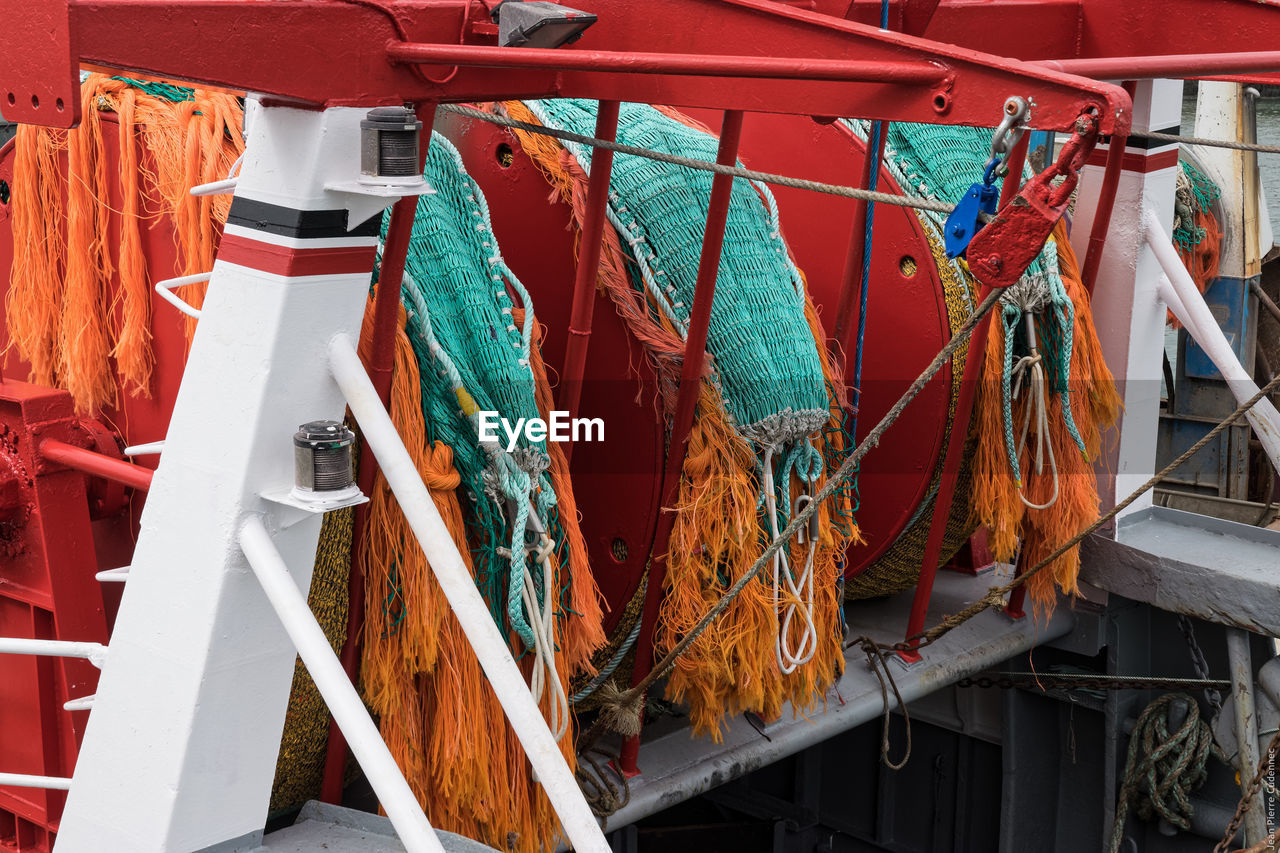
873, 150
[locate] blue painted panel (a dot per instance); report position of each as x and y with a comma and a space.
1228, 299
1042, 141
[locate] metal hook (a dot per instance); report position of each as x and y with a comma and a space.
1010, 129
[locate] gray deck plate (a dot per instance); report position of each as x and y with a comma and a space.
1222, 571
335, 829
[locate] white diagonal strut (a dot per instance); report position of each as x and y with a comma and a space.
460, 589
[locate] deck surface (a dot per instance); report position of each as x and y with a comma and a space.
674, 767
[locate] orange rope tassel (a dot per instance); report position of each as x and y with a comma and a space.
437, 713
1094, 405
84, 342
133, 342
68, 311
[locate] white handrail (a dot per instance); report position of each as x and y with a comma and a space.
94, 653
165, 289
21, 780
227, 185
459, 588
148, 449
215, 187
120, 575
331, 680
1188, 305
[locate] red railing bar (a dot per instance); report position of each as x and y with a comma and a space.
851, 282
97, 464
1106, 202
584, 284
686, 404
386, 316
1014, 609
1016, 161
1173, 65
951, 462
785, 68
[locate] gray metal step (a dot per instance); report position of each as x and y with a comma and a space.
1217, 570
335, 829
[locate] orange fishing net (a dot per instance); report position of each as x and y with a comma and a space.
78, 301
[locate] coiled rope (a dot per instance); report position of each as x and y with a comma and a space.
1165, 764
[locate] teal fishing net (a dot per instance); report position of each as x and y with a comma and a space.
942, 162
1196, 193
764, 356
473, 358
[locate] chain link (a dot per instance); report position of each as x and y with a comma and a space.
1198, 662
1099, 681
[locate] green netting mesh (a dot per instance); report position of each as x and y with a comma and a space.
473, 357
166, 91
764, 354
1196, 193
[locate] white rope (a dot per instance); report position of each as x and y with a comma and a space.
800, 593
1033, 366
542, 620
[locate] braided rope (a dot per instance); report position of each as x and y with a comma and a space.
702, 165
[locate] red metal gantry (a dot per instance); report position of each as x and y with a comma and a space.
735, 55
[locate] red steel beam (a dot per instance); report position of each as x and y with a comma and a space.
914, 72
332, 53
1080, 29
951, 462
695, 349
96, 464
1106, 203
584, 284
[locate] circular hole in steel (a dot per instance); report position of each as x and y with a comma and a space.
59, 105
505, 155
618, 549
941, 102
908, 266
13, 99
4, 191
35, 101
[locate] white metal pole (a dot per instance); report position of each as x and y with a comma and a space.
21, 780
95, 653
331, 680
459, 588
1240, 658
1205, 329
